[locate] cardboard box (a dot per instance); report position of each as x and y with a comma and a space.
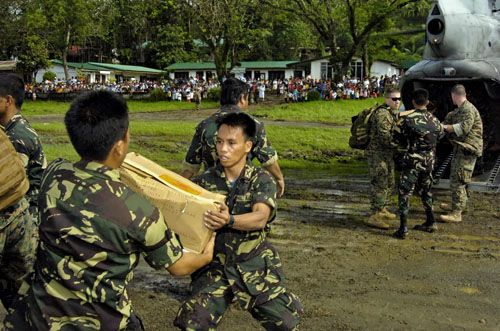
181, 201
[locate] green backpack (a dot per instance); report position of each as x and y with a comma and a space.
360, 129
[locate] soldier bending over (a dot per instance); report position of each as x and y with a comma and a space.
93, 230
245, 268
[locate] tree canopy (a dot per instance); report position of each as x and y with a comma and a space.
157, 33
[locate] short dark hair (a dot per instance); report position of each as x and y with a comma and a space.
391, 90
458, 89
420, 96
11, 84
239, 119
95, 121
232, 90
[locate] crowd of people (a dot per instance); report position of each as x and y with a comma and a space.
288, 90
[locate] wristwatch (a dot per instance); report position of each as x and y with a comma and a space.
231, 221
445, 127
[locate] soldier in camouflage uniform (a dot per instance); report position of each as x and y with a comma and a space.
234, 98
245, 268
420, 132
17, 249
93, 230
22, 135
464, 128
380, 155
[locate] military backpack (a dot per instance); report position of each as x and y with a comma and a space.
13, 181
360, 128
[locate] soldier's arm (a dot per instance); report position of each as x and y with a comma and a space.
190, 262
383, 125
268, 157
192, 163
275, 170
255, 220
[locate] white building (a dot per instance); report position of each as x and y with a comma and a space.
247, 69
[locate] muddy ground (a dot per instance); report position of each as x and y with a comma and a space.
353, 277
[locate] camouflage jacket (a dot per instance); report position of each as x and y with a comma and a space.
93, 229
203, 146
471, 126
382, 129
246, 256
420, 133
29, 147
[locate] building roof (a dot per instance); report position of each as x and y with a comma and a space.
122, 67
408, 64
265, 64
243, 64
76, 65
7, 65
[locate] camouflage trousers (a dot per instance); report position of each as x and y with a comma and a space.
412, 177
462, 167
214, 292
381, 166
18, 243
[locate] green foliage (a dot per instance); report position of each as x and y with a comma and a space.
157, 95
313, 95
332, 112
49, 75
214, 94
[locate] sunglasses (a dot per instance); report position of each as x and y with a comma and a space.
396, 99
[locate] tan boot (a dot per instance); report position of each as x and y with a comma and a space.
376, 221
445, 206
453, 217
387, 214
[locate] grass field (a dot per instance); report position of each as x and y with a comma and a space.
167, 142
336, 112
135, 106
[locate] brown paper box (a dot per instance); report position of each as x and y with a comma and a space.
181, 201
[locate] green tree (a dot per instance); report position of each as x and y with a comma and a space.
227, 27
67, 23
345, 26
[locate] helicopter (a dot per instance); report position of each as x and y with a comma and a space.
462, 47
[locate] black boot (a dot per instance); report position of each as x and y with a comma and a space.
429, 225
402, 232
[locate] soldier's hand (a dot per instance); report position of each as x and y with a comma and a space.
214, 220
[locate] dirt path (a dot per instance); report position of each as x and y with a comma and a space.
352, 277
180, 115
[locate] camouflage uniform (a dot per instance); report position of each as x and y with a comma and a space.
245, 266
17, 248
422, 131
93, 230
380, 155
29, 148
203, 146
466, 149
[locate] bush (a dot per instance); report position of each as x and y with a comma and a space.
157, 95
214, 94
49, 75
313, 95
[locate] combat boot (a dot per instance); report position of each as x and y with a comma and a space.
445, 206
453, 217
376, 221
387, 214
429, 225
402, 232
